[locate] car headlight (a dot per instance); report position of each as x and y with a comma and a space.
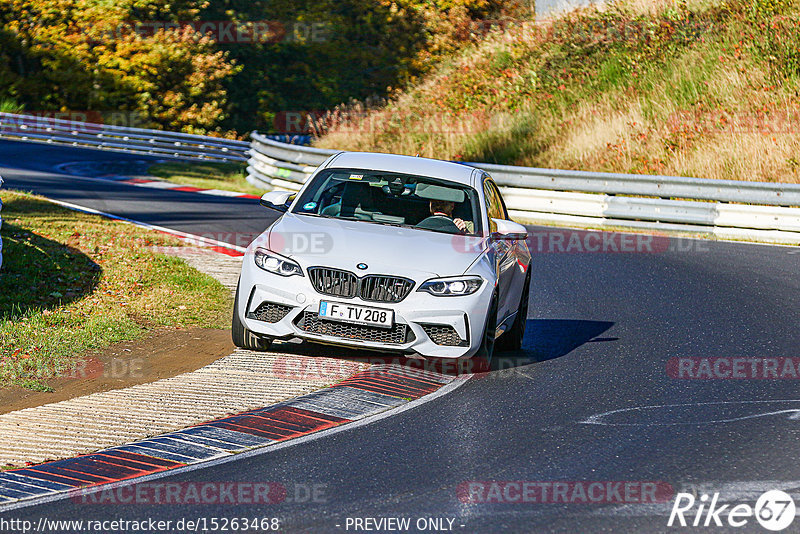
276, 264
452, 287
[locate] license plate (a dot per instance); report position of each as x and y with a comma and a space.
349, 313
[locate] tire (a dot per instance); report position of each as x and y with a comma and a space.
482, 359
244, 338
512, 340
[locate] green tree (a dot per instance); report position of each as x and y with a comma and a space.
84, 55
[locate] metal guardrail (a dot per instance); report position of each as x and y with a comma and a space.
645, 185
132, 140
726, 208
276, 165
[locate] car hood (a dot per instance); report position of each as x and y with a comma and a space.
343, 244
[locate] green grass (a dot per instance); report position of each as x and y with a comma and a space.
73, 283
225, 176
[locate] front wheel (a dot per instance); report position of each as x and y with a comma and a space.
483, 358
512, 340
244, 338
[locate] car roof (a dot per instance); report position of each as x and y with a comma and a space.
433, 168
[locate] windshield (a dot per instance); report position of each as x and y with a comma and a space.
392, 199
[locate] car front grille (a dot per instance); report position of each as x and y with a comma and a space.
334, 282
397, 335
373, 287
444, 334
382, 288
269, 312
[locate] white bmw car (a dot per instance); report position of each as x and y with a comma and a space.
392, 253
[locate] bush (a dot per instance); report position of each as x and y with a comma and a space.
57, 56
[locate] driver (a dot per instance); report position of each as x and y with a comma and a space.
444, 208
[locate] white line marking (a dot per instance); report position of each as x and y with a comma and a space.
199, 239
154, 183
597, 418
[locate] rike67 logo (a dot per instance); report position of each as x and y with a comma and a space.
774, 510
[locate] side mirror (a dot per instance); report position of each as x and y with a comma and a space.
278, 200
509, 230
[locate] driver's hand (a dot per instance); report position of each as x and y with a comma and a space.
461, 224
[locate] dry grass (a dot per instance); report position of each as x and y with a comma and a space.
594, 92
653, 7
750, 156
591, 129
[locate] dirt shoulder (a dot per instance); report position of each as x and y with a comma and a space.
161, 354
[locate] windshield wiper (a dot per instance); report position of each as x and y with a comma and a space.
317, 215
398, 225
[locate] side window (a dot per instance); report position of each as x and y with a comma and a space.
494, 202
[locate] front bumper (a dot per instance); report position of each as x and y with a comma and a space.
431, 326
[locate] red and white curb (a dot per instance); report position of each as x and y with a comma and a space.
160, 184
367, 394
79, 169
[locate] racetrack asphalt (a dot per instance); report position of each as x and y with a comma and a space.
231, 220
604, 329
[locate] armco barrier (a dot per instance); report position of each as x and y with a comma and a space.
122, 139
281, 166
726, 208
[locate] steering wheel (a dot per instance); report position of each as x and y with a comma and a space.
440, 223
